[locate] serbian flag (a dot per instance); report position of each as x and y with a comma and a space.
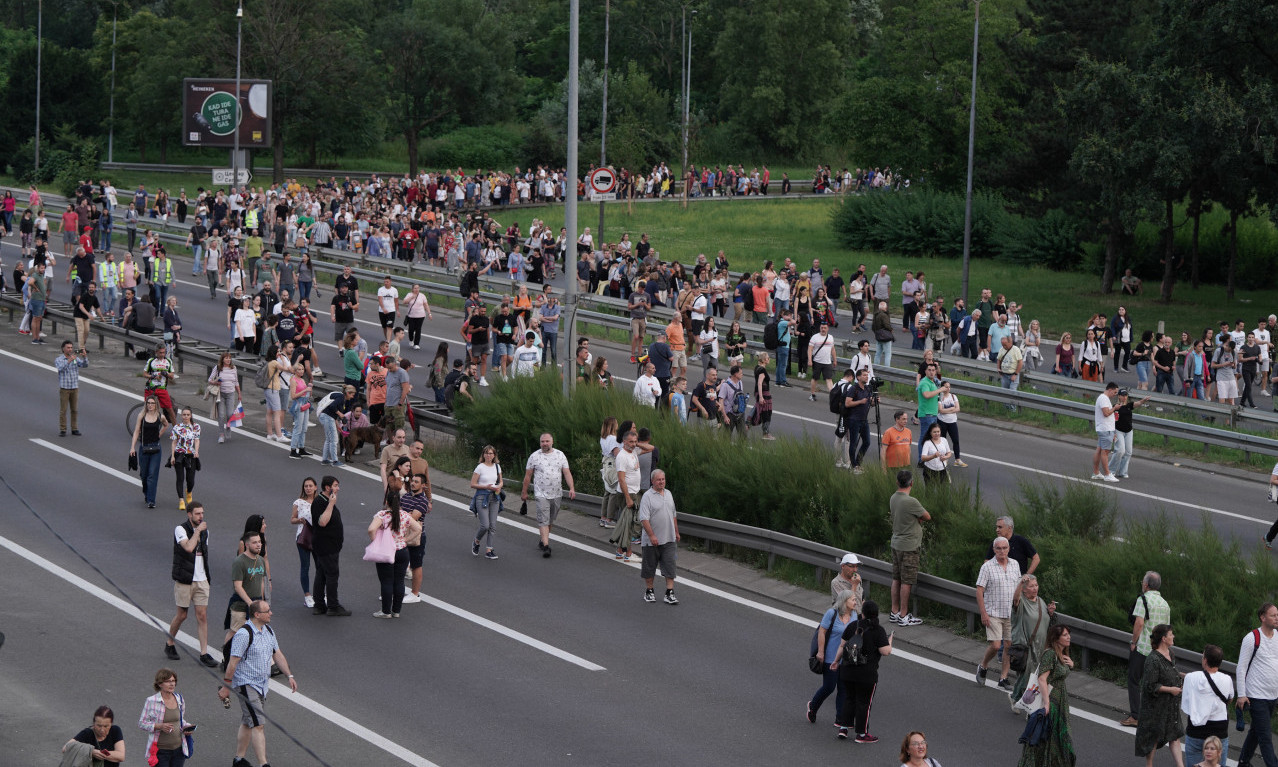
236, 418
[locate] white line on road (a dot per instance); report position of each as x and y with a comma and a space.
354, 728
512, 634
102, 467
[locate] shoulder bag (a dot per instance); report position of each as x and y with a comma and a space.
382, 548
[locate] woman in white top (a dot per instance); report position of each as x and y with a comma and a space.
245, 326
1033, 344
856, 297
403, 528
947, 416
486, 482
416, 308
1092, 362
302, 518
708, 346
935, 453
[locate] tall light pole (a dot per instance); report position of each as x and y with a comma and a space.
603, 125
687, 94
39, 58
971, 153
239, 41
570, 197
115, 15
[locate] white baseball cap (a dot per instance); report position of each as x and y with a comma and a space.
850, 559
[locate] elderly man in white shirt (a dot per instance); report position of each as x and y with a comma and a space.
647, 387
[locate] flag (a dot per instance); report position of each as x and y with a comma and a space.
236, 419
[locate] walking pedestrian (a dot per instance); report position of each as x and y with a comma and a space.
248, 673
486, 481
417, 503
996, 586
1257, 679
69, 365
862, 646
164, 719
401, 526
829, 637
1160, 691
546, 470
144, 448
1205, 703
1056, 747
1031, 620
191, 580
1149, 610
227, 380
184, 455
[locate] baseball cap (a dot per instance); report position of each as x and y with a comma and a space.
850, 559
1122, 392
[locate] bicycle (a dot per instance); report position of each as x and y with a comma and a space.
131, 417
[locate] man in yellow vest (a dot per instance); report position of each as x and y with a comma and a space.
162, 273
109, 281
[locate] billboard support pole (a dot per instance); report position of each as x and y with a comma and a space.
239, 41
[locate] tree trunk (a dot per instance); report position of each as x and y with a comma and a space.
312, 155
411, 138
1169, 254
1196, 212
1233, 254
1113, 240
142, 148
277, 143
164, 148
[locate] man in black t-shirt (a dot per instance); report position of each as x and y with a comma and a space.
352, 285
342, 312
86, 308
705, 398
478, 326
1164, 365
327, 537
856, 414
80, 271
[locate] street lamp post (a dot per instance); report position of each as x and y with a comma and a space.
570, 198
971, 153
687, 95
39, 57
115, 15
603, 125
239, 41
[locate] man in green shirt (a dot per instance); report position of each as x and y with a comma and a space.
929, 393
248, 581
908, 516
1150, 610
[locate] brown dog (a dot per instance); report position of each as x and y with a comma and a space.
371, 435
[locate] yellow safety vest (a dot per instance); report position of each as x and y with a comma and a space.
109, 274
250, 219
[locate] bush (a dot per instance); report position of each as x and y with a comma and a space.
928, 222
1257, 248
492, 146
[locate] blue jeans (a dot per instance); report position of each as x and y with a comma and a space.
829, 685
883, 353
925, 423
149, 468
163, 290
304, 289
1142, 370
1259, 734
196, 251
105, 241
783, 361
549, 346
1162, 379
1121, 456
858, 434
487, 506
1194, 749
300, 419
304, 557
329, 453
170, 758
1011, 384
1197, 386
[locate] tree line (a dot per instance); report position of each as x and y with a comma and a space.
1112, 112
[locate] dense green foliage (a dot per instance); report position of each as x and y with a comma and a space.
791, 486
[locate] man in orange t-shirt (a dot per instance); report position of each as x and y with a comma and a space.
678, 346
894, 450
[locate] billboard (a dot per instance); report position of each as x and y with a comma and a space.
211, 112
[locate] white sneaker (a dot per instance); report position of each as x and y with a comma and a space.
309, 601
411, 599
909, 620
1109, 478
483, 381
1096, 476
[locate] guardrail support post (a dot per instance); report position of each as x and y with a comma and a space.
817, 575
971, 623
101, 341
1087, 658
772, 558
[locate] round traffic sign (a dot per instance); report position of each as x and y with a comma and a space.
602, 180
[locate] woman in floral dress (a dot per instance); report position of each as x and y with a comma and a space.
1056, 749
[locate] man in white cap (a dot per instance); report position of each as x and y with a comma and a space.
848, 579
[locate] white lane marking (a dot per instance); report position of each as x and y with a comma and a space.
354, 728
512, 634
102, 467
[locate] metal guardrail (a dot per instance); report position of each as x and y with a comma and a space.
1090, 637
613, 314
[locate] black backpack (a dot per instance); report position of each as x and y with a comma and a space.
838, 396
771, 336
854, 653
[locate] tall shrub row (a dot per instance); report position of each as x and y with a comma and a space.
791, 486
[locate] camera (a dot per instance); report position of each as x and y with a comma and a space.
875, 384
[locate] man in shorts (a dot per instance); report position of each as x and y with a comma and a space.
995, 587
387, 306
248, 674
543, 470
1105, 430
417, 504
191, 580
660, 537
908, 516
821, 358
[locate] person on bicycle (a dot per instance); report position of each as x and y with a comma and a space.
159, 374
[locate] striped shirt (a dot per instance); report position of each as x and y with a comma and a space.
1000, 584
254, 668
69, 371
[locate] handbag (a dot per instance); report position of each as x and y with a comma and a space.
815, 664
382, 548
1273, 493
306, 538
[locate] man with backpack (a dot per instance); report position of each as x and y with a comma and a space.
1150, 610
838, 406
1258, 685
734, 401
248, 673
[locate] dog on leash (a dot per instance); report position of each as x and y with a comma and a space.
371, 435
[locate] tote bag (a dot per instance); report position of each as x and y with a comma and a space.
382, 547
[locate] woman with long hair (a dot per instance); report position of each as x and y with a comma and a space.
299, 406
935, 454
227, 380
402, 527
1065, 356
301, 516
947, 416
608, 447
416, 308
859, 671
1160, 691
145, 446
708, 346
486, 482
305, 277
602, 376
1056, 748
1092, 359
762, 415
184, 455
1122, 333
1143, 356
439, 371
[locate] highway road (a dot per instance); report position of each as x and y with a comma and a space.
549, 663
1002, 458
